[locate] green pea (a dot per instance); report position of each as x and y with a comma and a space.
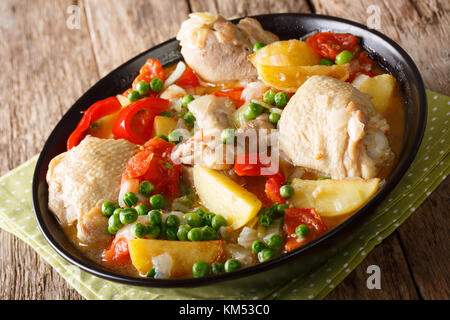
128, 215
258, 46
189, 117
195, 234
130, 199
153, 231
175, 136
257, 246
200, 269
326, 62
228, 136
172, 221
182, 233
281, 207
186, 99
166, 114
108, 208
323, 178
133, 95
208, 218
281, 99
193, 219
265, 255
114, 223
286, 191
217, 268
157, 201
171, 233
139, 230
218, 221
253, 110
156, 84
161, 136
302, 230
343, 57
209, 233
275, 242
201, 212
274, 117
265, 219
151, 273
232, 265
155, 217
143, 88
141, 209
269, 96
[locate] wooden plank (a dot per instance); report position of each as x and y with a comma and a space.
396, 282
122, 29
46, 67
420, 27
425, 238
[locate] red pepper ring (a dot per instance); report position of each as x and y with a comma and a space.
134, 122
96, 111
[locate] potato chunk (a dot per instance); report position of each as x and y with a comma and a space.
183, 253
381, 88
223, 196
334, 200
164, 125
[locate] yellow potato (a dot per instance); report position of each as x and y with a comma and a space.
381, 88
164, 125
223, 196
184, 254
334, 200
285, 65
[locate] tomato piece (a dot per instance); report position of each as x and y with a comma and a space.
252, 164
329, 44
98, 110
363, 64
154, 164
150, 70
296, 216
135, 122
272, 189
118, 252
234, 94
188, 79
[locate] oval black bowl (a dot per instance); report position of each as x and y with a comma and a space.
261, 277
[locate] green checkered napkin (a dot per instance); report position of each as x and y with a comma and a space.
430, 167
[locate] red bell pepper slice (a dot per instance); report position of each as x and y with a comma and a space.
118, 252
96, 111
135, 122
234, 94
188, 79
154, 164
329, 44
252, 165
296, 216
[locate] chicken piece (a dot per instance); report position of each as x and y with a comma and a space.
92, 227
86, 176
217, 49
331, 127
213, 115
255, 135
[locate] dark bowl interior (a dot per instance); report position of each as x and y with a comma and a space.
287, 26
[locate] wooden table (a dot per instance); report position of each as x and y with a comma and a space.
47, 64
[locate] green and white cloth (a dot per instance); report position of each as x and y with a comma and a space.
429, 169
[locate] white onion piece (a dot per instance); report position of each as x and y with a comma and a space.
244, 255
247, 236
176, 74
163, 266
131, 185
254, 90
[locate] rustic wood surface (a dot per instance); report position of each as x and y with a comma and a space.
47, 65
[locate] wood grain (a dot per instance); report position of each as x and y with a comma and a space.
122, 29
45, 68
40, 46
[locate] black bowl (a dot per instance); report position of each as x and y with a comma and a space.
265, 276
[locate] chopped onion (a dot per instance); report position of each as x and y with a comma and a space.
131, 185
238, 252
176, 74
163, 266
247, 236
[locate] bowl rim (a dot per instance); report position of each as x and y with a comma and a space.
398, 172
